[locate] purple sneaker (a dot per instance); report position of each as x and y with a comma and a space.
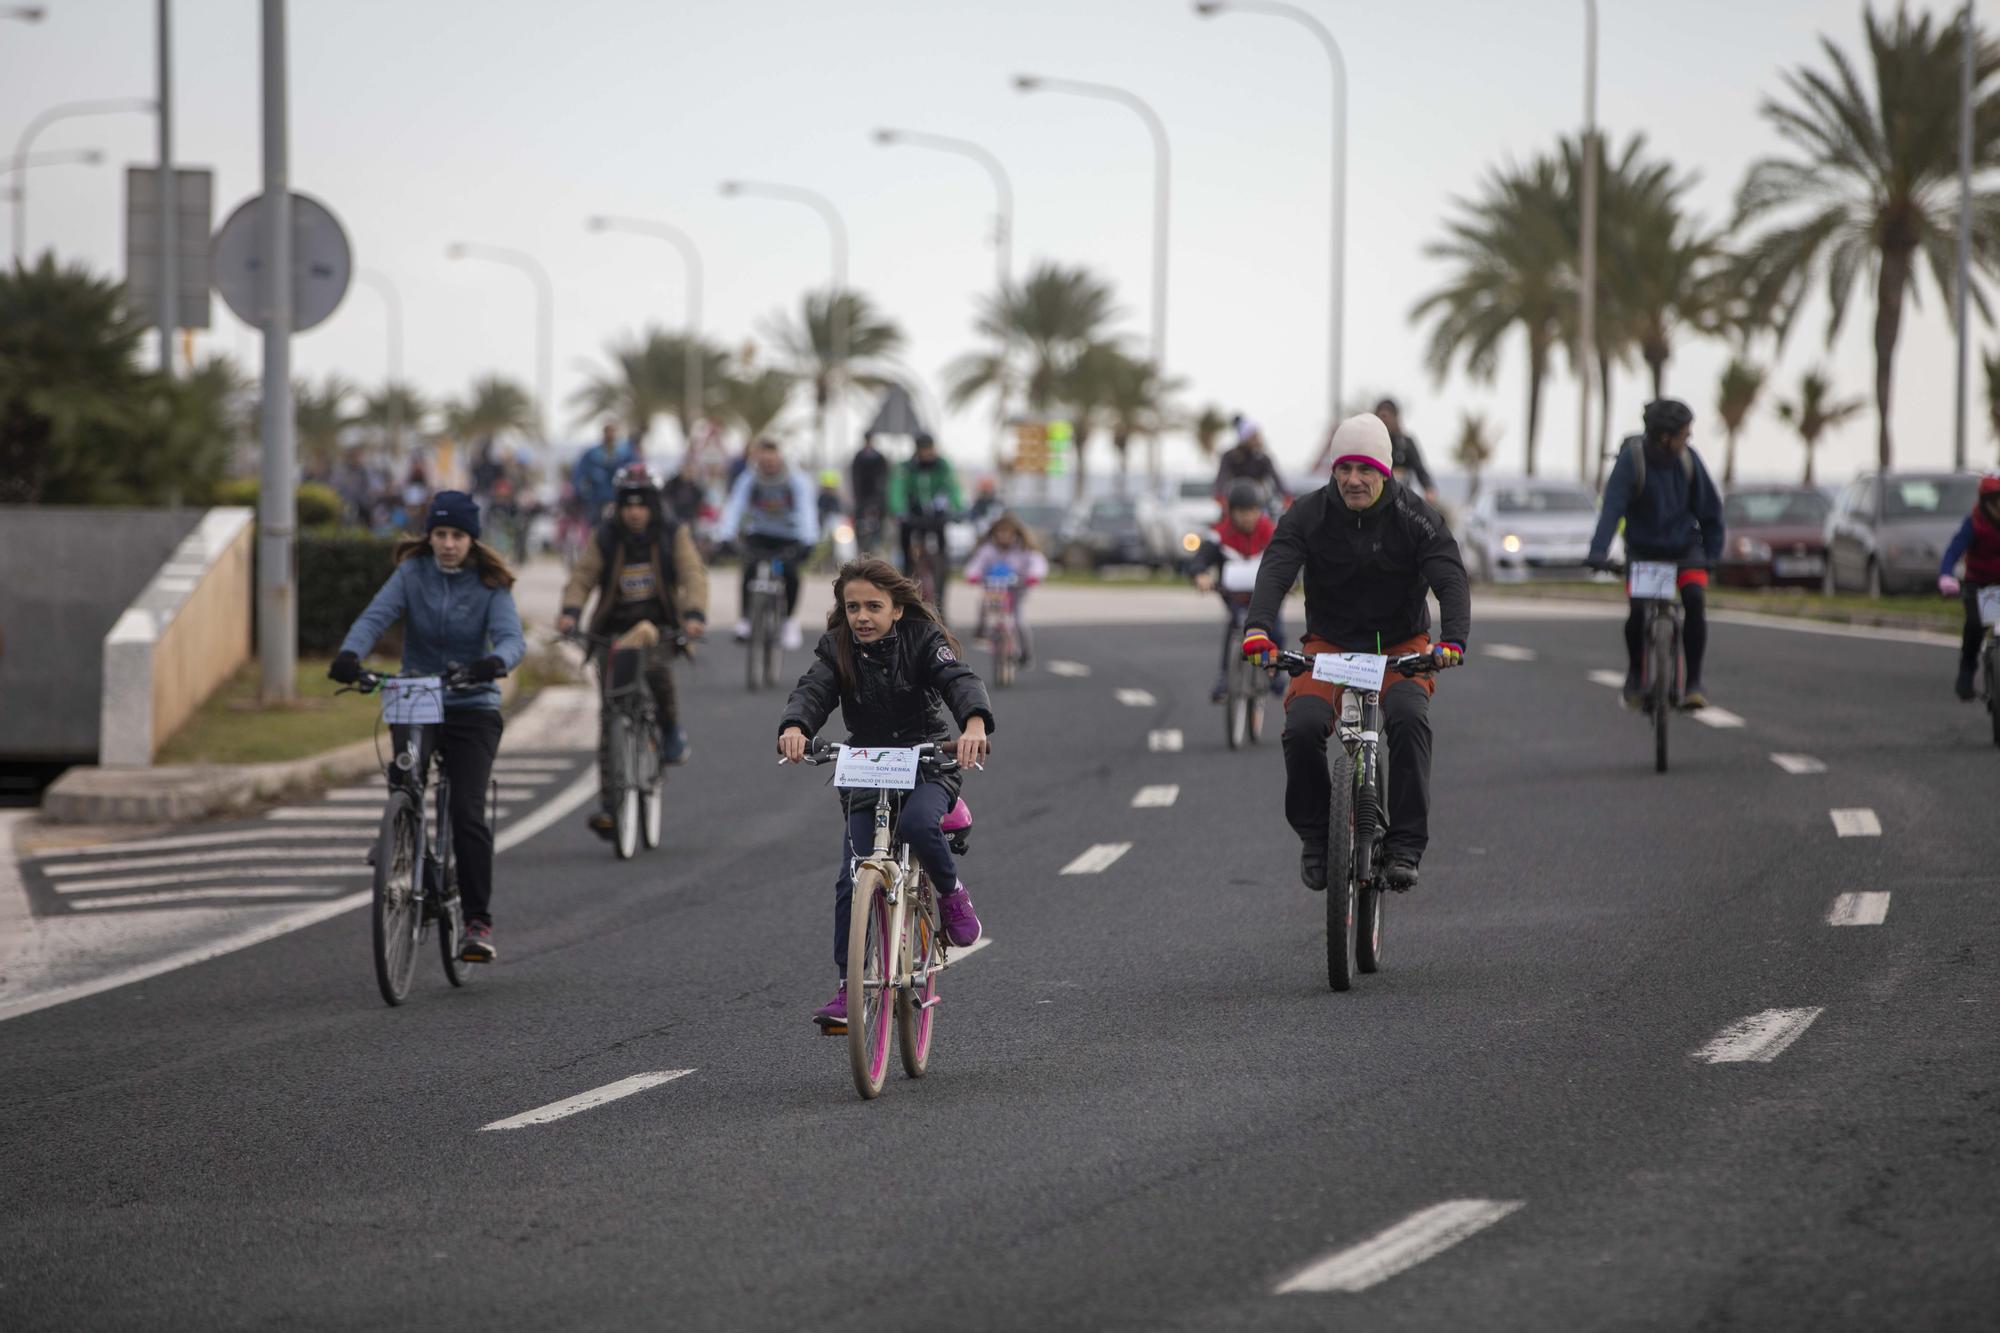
832, 1016
961, 923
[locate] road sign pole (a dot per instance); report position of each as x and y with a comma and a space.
277, 503
169, 196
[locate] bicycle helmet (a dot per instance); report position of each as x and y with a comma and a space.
1667, 417
1246, 495
1989, 485
636, 479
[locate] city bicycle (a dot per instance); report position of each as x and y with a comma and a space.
1358, 817
1246, 686
765, 610
1655, 585
416, 879
896, 948
629, 732
998, 589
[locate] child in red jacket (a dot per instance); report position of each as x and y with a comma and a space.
1228, 560
1978, 540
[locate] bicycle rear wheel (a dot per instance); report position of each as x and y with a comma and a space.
1661, 665
398, 907
1340, 886
871, 956
451, 933
761, 632
1256, 688
1235, 714
924, 954
1004, 652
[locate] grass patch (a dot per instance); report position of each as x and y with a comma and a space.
233, 727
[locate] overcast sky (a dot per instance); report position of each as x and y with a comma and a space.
421, 122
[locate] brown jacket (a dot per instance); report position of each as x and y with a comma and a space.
690, 590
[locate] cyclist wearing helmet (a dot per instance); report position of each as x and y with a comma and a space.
1978, 541
643, 565
1672, 512
1239, 536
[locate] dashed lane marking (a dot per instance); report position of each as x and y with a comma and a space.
585, 1101
1760, 1038
195, 840
1719, 718
1134, 698
1169, 739
1798, 764
299, 892
1097, 859
1858, 909
1611, 678
1856, 823
1416, 1238
264, 854
1074, 670
349, 869
1154, 798
319, 814
511, 764
373, 795
1509, 652
957, 956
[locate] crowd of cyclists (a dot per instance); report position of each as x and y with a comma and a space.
1369, 544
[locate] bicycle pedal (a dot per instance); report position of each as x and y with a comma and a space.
833, 1029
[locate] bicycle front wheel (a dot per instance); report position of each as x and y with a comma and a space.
923, 960
398, 906
1662, 667
1255, 688
871, 958
1340, 888
1003, 655
624, 788
1370, 899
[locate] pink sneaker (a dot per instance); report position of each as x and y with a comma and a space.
961, 923
832, 1016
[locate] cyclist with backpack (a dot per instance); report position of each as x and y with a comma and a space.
1673, 514
894, 671
642, 565
1978, 542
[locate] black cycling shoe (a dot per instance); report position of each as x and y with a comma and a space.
1963, 685
602, 824
1401, 873
1312, 866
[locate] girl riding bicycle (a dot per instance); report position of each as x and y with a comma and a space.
892, 669
1009, 544
1241, 535
453, 594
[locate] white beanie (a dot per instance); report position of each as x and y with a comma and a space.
1362, 439
1247, 430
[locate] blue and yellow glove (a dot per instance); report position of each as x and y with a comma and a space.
1257, 646
1448, 655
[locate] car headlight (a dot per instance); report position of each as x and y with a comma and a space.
1510, 543
1190, 542
1752, 549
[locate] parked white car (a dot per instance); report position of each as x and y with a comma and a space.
1517, 530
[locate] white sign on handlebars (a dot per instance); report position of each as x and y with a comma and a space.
876, 768
1360, 671
1989, 605
1650, 580
413, 701
1240, 575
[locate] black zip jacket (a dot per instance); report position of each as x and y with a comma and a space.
1366, 573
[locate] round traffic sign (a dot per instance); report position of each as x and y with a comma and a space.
322, 262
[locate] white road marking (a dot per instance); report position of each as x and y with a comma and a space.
374, 795
1134, 698
1074, 670
1858, 909
1797, 764
511, 764
1761, 1038
344, 868
1416, 1238
194, 840
1611, 678
337, 814
1153, 798
1169, 739
1509, 652
1097, 858
1856, 823
1719, 718
957, 956
356, 850
183, 896
564, 801
585, 1101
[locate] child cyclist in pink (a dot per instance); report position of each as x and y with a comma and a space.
893, 670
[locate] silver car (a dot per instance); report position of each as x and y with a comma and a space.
1888, 530
1521, 530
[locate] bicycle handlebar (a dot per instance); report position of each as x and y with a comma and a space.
1411, 664
930, 758
453, 677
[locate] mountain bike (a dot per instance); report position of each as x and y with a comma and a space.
998, 589
1987, 600
765, 610
1358, 817
635, 772
896, 948
1655, 585
416, 880
1246, 686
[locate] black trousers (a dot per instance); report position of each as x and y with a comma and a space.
1974, 636
1694, 632
468, 739
772, 548
1309, 791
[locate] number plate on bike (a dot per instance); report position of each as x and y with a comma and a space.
876, 768
1240, 575
1360, 671
1651, 580
1989, 605
413, 701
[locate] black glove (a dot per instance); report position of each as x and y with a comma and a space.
346, 669
486, 669
1602, 564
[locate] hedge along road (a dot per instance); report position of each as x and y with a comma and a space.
1147, 1110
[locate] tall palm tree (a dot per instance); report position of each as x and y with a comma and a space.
1036, 330
1474, 450
394, 410
873, 340
1741, 382
648, 377
1210, 427
1510, 254
322, 414
1992, 363
1814, 411
755, 401
1139, 403
1086, 391
493, 406
1872, 184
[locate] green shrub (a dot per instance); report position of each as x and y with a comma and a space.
338, 573
318, 504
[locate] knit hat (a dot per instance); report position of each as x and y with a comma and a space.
1362, 439
453, 509
1247, 430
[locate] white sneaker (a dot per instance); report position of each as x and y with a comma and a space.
790, 639
743, 631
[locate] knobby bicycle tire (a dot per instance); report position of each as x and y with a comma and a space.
914, 1007
1340, 888
397, 901
871, 955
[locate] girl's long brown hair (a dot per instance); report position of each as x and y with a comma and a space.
902, 591
1021, 533
492, 566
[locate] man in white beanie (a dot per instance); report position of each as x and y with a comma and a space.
1370, 548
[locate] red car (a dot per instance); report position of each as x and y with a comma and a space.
1774, 536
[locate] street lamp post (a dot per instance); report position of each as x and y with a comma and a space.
545, 329
1003, 187
1586, 322
392, 305
167, 311
25, 13
277, 496
1337, 271
837, 308
1968, 39
66, 111
1162, 168
691, 260
89, 157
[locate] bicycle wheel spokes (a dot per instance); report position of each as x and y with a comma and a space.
398, 909
871, 954
925, 959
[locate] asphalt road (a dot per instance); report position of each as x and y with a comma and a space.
1146, 1110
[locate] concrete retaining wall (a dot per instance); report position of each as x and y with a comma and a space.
185, 634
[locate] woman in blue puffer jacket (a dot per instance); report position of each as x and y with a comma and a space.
454, 595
